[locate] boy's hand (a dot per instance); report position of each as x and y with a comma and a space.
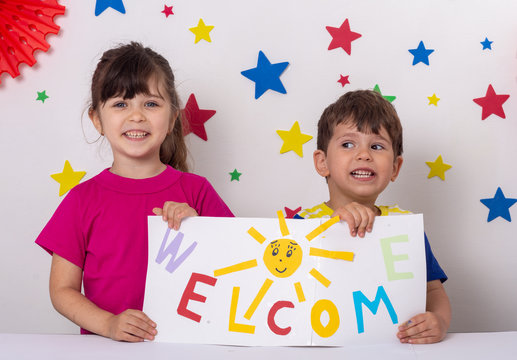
131, 325
426, 328
174, 212
359, 218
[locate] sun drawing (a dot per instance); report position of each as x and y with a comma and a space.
282, 257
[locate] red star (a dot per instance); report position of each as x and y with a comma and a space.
289, 214
342, 37
194, 118
343, 80
167, 10
492, 103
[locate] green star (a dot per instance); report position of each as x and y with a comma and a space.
235, 175
390, 98
42, 96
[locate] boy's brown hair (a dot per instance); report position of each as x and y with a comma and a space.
368, 111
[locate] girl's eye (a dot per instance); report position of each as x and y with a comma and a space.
348, 145
119, 104
377, 147
151, 104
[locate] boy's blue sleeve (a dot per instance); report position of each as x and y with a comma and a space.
434, 270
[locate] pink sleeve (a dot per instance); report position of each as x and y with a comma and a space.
209, 203
63, 234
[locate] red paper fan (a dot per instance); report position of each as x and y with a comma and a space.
24, 24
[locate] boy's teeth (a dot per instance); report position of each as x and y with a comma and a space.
362, 173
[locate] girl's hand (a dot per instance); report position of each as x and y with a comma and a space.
131, 325
426, 328
174, 212
359, 218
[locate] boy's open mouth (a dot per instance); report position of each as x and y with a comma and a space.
362, 174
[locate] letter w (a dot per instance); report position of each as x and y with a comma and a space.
172, 250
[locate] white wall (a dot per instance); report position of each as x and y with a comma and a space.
478, 256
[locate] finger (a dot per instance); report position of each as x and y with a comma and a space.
141, 315
157, 211
361, 220
426, 337
141, 331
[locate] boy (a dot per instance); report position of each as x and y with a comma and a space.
359, 153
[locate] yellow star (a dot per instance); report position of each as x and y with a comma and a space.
438, 168
202, 31
293, 139
433, 100
68, 178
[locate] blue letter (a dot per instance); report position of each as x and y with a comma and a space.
172, 250
359, 299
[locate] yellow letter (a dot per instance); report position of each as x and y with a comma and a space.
333, 324
233, 326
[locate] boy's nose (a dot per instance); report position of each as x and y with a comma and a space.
363, 154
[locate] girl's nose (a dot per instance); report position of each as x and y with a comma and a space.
137, 115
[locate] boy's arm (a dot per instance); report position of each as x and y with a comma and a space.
431, 326
65, 293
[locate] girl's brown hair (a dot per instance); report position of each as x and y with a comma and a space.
125, 71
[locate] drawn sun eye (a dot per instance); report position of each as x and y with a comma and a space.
275, 251
289, 253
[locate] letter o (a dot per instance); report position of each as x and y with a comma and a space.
333, 324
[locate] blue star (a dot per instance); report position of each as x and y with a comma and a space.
499, 206
487, 44
266, 75
102, 5
421, 54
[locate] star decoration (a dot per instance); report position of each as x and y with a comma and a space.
202, 31
492, 103
235, 175
167, 10
289, 214
499, 205
68, 178
343, 80
342, 37
421, 54
438, 168
293, 139
487, 44
194, 118
433, 100
266, 75
390, 98
42, 96
102, 5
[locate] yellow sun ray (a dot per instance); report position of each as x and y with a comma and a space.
237, 267
283, 225
256, 235
299, 291
339, 255
322, 228
318, 276
260, 295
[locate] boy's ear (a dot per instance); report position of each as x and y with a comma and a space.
397, 164
96, 120
320, 163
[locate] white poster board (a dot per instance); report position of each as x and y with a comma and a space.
279, 282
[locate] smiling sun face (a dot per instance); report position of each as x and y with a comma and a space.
283, 257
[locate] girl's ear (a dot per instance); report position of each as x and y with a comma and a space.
320, 163
397, 164
96, 120
174, 118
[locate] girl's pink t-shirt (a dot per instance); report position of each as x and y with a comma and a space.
101, 226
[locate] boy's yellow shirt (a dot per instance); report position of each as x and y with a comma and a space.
322, 210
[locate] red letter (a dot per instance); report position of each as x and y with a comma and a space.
271, 317
189, 294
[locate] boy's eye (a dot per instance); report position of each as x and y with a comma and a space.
348, 145
377, 147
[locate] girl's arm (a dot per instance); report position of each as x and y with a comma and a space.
65, 293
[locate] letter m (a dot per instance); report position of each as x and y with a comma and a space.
172, 250
360, 298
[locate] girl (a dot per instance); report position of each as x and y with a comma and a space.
98, 234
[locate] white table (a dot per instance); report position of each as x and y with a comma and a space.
465, 346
